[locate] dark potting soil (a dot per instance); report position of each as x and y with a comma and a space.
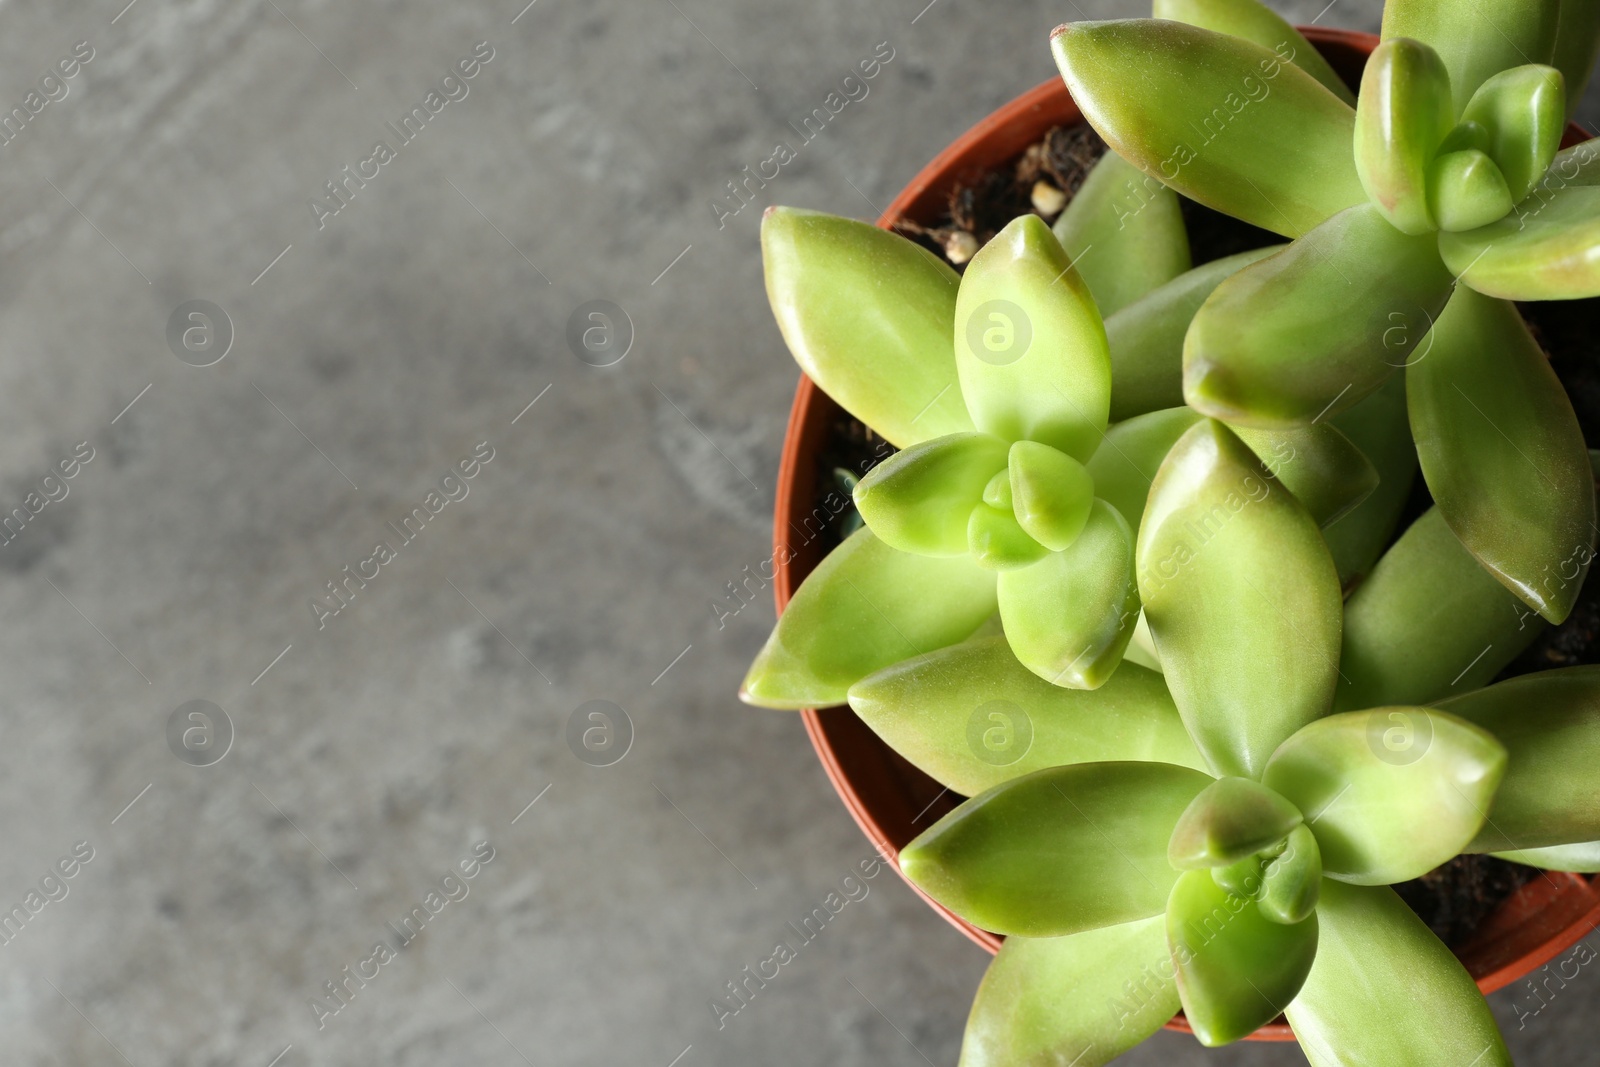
1453, 899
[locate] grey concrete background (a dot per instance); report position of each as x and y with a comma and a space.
585, 564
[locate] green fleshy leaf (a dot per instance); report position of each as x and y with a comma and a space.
1220, 119
1380, 428
1242, 878
1548, 248
1373, 955
1256, 22
1318, 464
1427, 623
998, 542
1582, 858
1503, 453
1051, 493
1232, 819
868, 316
1058, 851
864, 607
1146, 337
1030, 346
1390, 793
1404, 112
1081, 1000
1466, 190
1292, 881
1127, 462
1577, 40
1476, 41
1241, 597
1550, 724
1525, 111
1308, 332
971, 717
1465, 135
1124, 233
1237, 969
1070, 615
918, 499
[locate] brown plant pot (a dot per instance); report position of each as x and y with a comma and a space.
891, 800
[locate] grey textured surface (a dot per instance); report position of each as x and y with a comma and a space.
586, 560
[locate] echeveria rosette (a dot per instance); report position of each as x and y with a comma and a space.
1015, 494
1286, 839
996, 386
1439, 197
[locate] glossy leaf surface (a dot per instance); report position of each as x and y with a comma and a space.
1146, 337
971, 716
868, 316
1292, 881
918, 499
1124, 233
1583, 857
1070, 615
1030, 346
998, 542
1476, 41
1241, 597
1306, 333
1232, 819
1051, 494
1220, 119
1237, 969
1427, 623
1548, 248
1525, 111
1127, 462
1385, 992
1466, 190
1256, 22
864, 607
1318, 464
1503, 453
1058, 851
1550, 724
1404, 112
1380, 427
1065, 1000
1390, 793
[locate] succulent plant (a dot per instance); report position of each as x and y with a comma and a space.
1010, 486
1416, 216
1132, 582
1241, 875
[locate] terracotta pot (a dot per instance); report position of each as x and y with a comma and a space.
891, 800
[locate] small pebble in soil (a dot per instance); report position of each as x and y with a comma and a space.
1047, 199
959, 246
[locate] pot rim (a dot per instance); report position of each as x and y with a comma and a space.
1552, 912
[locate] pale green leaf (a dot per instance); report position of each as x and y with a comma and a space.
1070, 615
1502, 452
1030, 346
1390, 793
1242, 599
1124, 233
869, 316
864, 607
1220, 119
1385, 992
1058, 851
971, 717
1082, 1000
